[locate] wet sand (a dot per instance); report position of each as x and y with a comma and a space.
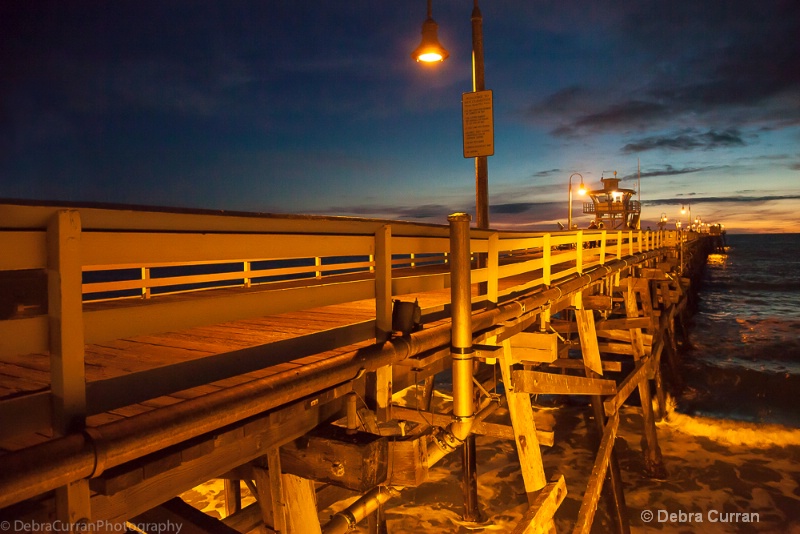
723, 476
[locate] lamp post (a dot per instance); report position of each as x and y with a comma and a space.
684, 210
581, 191
431, 51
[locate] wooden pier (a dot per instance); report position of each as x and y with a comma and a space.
144, 352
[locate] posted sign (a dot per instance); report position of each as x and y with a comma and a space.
477, 117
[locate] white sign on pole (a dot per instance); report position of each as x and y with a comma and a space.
477, 116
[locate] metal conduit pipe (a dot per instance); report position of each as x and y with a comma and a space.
348, 518
461, 350
58, 462
35, 470
525, 303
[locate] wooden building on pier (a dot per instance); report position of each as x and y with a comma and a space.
613, 206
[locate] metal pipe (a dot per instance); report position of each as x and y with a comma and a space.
35, 470
348, 518
29, 472
461, 350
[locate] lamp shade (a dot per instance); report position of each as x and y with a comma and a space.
429, 49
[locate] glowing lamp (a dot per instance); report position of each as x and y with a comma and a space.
429, 49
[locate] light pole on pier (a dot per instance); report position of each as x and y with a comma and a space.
581, 191
431, 51
684, 209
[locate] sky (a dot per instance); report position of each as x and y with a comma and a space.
310, 107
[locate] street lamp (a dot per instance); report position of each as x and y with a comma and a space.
431, 51
663, 222
684, 209
581, 191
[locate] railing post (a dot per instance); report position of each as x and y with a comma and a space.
579, 252
546, 252
318, 264
247, 280
383, 283
602, 247
630, 242
67, 375
619, 244
379, 383
145, 278
493, 269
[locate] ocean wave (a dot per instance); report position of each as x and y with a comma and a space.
730, 431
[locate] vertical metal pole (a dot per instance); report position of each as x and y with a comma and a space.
461, 352
471, 509
479, 84
569, 201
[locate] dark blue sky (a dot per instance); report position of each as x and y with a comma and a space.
317, 107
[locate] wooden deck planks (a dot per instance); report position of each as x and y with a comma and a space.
27, 373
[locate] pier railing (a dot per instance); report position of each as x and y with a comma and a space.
115, 273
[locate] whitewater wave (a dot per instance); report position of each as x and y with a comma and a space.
729, 431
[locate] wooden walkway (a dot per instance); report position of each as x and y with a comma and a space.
127, 359
22, 374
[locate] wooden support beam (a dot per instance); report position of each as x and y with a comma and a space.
654, 464
357, 461
537, 347
409, 461
537, 382
625, 323
631, 382
228, 449
301, 505
247, 519
598, 475
277, 494
597, 302
521, 411
186, 518
264, 499
653, 274
565, 363
233, 496
379, 393
539, 517
588, 336
632, 311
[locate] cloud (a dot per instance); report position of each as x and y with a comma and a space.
727, 200
512, 208
687, 141
728, 65
547, 173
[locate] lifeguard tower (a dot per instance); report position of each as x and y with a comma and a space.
612, 206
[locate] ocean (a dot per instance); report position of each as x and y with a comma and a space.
742, 359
